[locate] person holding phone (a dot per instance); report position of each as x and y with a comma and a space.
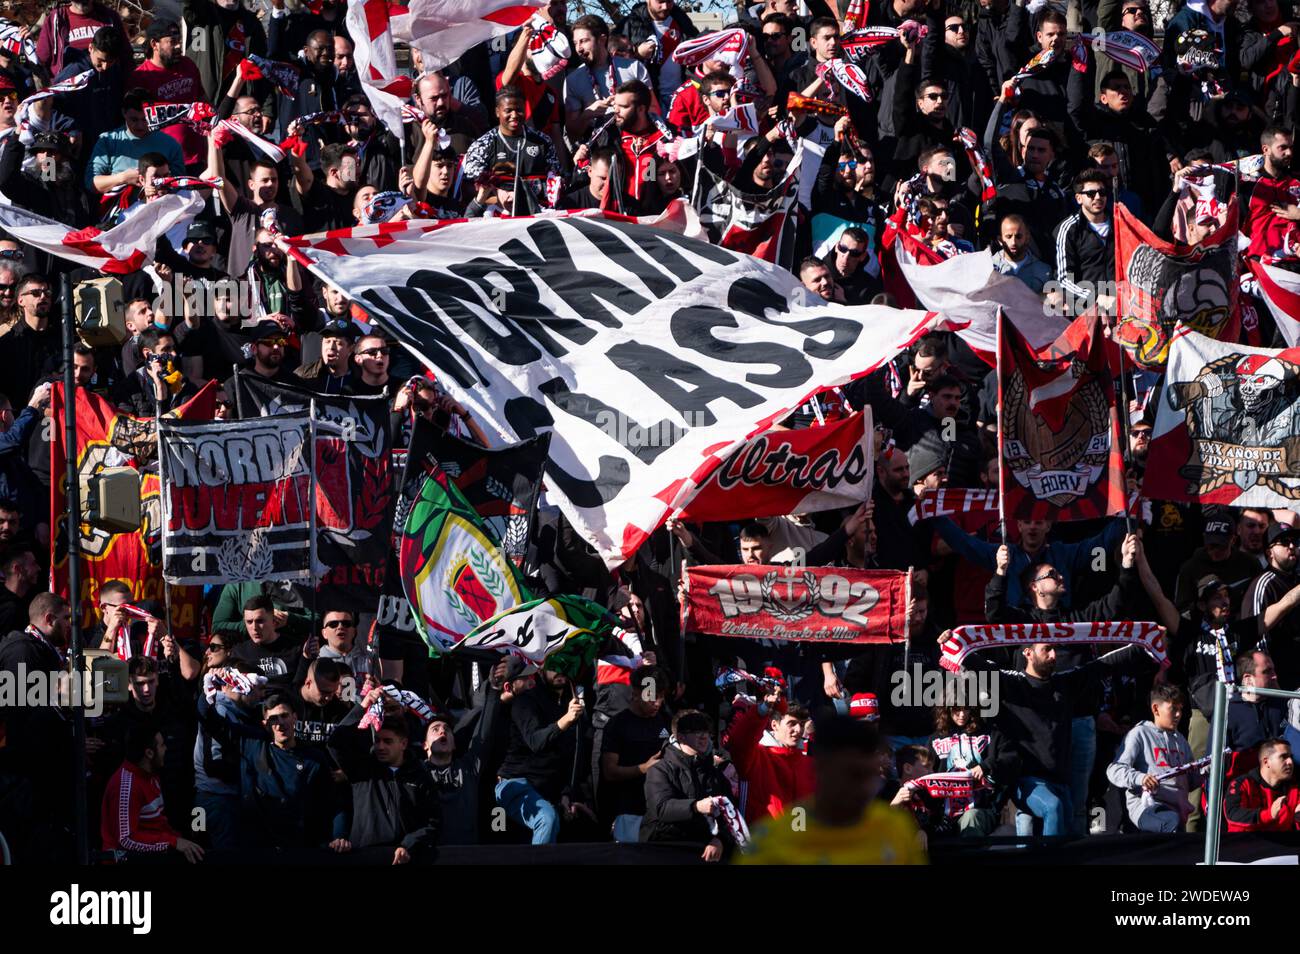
538, 772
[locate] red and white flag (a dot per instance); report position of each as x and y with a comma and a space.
368, 22
968, 291
1280, 290
444, 29
123, 249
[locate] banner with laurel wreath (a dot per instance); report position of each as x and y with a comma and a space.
454, 571
803, 604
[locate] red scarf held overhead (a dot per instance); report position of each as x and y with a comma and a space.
236, 47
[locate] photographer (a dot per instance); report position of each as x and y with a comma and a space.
157, 386
421, 397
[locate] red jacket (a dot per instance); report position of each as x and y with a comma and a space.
132, 817
777, 776
1249, 803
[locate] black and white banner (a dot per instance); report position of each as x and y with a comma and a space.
595, 328
237, 500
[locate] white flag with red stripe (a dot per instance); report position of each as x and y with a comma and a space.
1280, 290
444, 29
968, 291
123, 249
368, 22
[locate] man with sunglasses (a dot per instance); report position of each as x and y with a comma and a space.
35, 345
44, 181
1085, 246
848, 261
948, 56
778, 47
1271, 599
370, 360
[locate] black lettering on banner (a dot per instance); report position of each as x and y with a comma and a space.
464, 307
662, 372
523, 300
598, 414
583, 291
438, 343
692, 328
528, 417
654, 241
619, 249
754, 298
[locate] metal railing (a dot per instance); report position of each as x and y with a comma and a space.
1218, 739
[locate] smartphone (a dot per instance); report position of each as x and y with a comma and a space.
577, 691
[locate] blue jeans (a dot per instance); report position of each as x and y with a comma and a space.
1083, 753
522, 803
1159, 818
221, 819
1046, 800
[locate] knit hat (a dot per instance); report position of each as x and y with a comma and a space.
865, 705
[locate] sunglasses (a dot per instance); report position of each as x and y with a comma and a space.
336, 623
774, 36
957, 28
273, 342
216, 648
1135, 10
1093, 193
720, 93
1054, 575
848, 164
855, 252
9, 97
374, 353
936, 95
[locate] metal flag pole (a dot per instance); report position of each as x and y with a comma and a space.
1002, 497
311, 510
72, 492
164, 497
1125, 451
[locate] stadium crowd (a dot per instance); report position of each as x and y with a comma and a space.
648, 746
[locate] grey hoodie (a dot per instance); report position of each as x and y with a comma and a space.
1148, 750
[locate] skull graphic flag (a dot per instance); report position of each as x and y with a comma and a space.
1227, 428
1160, 284
1059, 433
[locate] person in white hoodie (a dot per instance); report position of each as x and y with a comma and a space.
1150, 749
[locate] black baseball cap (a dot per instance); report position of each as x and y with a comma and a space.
341, 328
517, 668
201, 231
162, 27
267, 329
1281, 531
1217, 529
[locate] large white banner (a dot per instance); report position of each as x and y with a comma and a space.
597, 328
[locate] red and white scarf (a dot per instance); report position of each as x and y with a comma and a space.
243, 683
1125, 47
72, 85
947, 784
122, 642
548, 47
181, 183
727, 46
408, 700
236, 48
265, 146
847, 75
970, 142
967, 639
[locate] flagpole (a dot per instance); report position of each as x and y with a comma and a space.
1002, 497
1124, 433
162, 493
311, 516
72, 491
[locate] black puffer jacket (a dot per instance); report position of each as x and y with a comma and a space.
388, 808
672, 787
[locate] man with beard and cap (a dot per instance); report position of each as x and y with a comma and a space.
434, 97
589, 89
1217, 557
1271, 599
171, 77
268, 348
44, 181
329, 375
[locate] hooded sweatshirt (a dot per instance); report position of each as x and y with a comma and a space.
777, 775
1147, 750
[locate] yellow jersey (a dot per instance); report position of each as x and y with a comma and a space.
884, 836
